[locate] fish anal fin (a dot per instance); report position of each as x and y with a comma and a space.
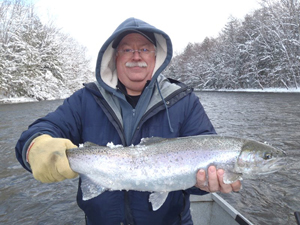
230, 177
89, 188
157, 199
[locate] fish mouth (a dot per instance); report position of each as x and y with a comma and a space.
274, 166
282, 154
280, 162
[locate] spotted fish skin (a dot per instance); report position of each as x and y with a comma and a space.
161, 165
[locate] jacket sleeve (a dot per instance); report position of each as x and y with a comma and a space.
64, 122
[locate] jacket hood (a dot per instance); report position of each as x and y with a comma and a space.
106, 73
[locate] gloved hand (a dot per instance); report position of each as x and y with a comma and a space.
48, 160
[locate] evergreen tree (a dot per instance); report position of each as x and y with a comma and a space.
262, 51
36, 59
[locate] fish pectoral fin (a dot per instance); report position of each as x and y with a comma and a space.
89, 188
230, 177
157, 199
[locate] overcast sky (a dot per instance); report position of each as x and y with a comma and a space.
91, 22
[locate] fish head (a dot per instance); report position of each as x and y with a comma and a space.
257, 158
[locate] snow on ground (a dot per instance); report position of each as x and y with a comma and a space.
269, 90
17, 100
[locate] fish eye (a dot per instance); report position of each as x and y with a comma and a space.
268, 155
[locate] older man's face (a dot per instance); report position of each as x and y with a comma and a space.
134, 69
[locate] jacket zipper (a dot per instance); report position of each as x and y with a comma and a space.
158, 105
115, 118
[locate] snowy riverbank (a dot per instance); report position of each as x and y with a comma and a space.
16, 100
267, 90
19, 100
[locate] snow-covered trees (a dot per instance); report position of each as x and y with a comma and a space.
36, 59
261, 51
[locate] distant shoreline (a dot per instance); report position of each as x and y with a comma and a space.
266, 90
21, 100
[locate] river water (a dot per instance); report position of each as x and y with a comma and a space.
266, 117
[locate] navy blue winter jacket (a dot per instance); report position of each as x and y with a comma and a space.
100, 113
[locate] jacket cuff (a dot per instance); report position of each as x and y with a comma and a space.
196, 191
25, 149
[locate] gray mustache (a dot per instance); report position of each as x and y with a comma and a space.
134, 64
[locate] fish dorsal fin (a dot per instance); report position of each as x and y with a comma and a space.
89, 188
157, 199
89, 144
109, 144
151, 140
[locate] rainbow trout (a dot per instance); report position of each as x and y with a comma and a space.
161, 165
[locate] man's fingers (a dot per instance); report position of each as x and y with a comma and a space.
236, 186
201, 180
224, 188
213, 183
227, 188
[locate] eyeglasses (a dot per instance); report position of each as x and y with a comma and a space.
130, 52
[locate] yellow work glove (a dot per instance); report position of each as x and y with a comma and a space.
48, 160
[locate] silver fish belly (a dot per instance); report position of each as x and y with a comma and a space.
162, 165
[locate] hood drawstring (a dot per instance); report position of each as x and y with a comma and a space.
165, 104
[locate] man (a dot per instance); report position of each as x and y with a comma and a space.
130, 100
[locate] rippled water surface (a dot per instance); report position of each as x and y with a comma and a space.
24, 200
272, 118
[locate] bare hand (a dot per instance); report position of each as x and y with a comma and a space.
215, 181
